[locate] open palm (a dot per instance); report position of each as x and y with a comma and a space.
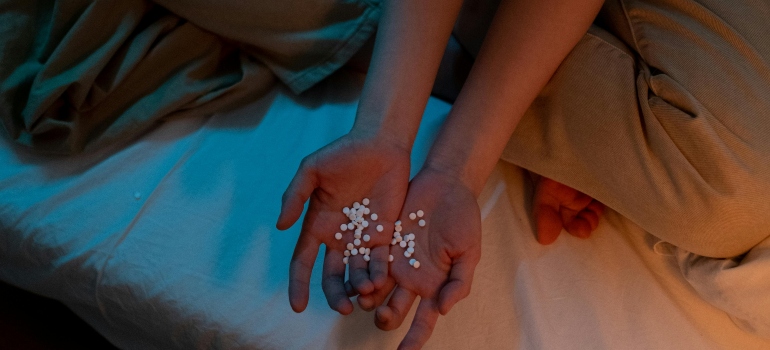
345, 171
448, 248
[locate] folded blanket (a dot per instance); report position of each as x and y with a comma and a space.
80, 74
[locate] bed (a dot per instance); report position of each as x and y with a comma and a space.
168, 242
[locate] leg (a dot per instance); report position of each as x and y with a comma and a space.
656, 132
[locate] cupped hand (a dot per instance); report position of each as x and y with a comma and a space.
448, 248
348, 170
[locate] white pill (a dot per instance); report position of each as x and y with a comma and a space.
357, 235
343, 227
361, 250
412, 261
367, 258
407, 254
393, 242
365, 223
345, 260
412, 216
367, 211
398, 223
354, 251
380, 228
411, 236
398, 228
338, 236
390, 257
346, 253
420, 213
368, 251
396, 234
416, 265
367, 238
410, 244
399, 239
350, 226
410, 250
421, 223
350, 246
365, 201
357, 242
356, 205
402, 244
374, 217
346, 210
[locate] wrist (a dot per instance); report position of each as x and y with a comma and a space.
457, 169
381, 131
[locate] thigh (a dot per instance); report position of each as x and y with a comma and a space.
667, 127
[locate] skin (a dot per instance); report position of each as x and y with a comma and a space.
524, 45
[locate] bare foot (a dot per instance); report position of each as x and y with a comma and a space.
558, 206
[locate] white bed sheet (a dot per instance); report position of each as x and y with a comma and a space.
170, 243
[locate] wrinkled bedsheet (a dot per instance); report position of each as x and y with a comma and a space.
170, 243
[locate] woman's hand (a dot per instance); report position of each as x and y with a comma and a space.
448, 248
354, 167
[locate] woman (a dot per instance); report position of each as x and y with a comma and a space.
662, 121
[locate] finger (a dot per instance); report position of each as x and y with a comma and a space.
389, 317
579, 227
460, 280
349, 289
422, 326
370, 301
293, 202
333, 282
300, 269
378, 266
359, 275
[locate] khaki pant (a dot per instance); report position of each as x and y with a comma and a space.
662, 112
664, 117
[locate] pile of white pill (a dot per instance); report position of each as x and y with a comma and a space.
407, 241
357, 216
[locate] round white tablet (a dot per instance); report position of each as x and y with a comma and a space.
420, 213
380, 228
390, 257
338, 236
365, 201
374, 216
367, 238
416, 265
412, 216
421, 223
343, 227
367, 258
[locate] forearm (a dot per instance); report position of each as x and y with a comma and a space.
410, 41
524, 46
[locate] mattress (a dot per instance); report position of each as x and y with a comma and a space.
169, 242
